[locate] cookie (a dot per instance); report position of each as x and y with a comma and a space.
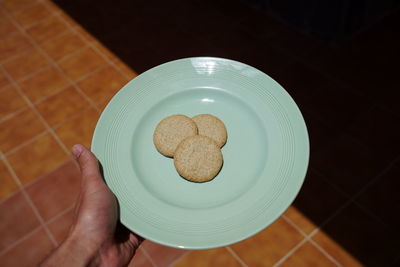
198, 158
171, 131
210, 126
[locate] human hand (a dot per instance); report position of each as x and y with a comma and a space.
96, 237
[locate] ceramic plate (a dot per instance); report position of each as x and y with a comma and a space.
265, 157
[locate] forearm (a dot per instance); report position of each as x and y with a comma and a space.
76, 251
70, 253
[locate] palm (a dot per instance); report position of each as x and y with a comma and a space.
97, 216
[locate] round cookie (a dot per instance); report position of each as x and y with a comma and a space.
171, 131
198, 158
210, 126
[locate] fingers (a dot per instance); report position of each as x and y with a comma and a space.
123, 235
87, 162
135, 240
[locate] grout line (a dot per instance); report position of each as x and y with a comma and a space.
44, 53
31, 74
370, 213
31, 4
83, 77
52, 219
112, 63
40, 177
30, 202
70, 21
80, 49
30, 104
236, 256
309, 238
34, 43
15, 55
91, 73
14, 177
97, 50
57, 91
356, 195
60, 89
344, 193
37, 22
291, 252
8, 36
178, 259
91, 102
33, 139
354, 201
77, 29
15, 113
293, 224
13, 174
53, 38
314, 232
146, 254
26, 51
75, 162
40, 218
323, 251
328, 181
19, 184
20, 240
72, 117
9, 196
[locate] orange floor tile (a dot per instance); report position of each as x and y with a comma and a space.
54, 81
11, 102
31, 15
73, 67
269, 246
213, 257
44, 83
8, 184
63, 45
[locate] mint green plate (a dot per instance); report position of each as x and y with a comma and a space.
265, 157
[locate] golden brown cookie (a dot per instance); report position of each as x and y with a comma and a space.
171, 131
198, 158
210, 126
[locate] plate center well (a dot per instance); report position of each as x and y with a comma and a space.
245, 153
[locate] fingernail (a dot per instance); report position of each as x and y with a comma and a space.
77, 150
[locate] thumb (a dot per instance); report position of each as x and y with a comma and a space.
87, 162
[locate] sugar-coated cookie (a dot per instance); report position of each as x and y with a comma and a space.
198, 158
171, 131
210, 126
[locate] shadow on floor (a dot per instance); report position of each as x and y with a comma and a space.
348, 94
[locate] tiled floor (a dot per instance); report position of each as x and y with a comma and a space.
55, 78
50, 98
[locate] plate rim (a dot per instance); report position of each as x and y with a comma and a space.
298, 114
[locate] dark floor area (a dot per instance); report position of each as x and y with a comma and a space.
348, 93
